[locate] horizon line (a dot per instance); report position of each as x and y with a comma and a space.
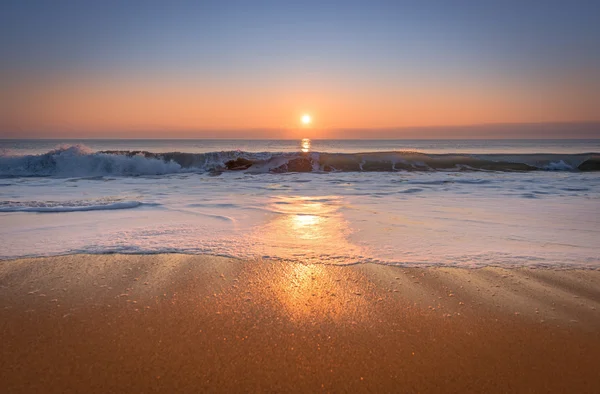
482, 131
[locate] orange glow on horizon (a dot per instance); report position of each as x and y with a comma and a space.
95, 107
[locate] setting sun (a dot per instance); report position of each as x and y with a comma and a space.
356, 196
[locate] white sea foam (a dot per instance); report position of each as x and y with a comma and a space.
78, 160
469, 219
410, 209
558, 166
68, 206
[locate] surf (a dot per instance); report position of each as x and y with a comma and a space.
80, 161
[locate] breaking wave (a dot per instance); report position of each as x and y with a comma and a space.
80, 161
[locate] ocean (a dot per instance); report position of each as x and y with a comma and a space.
466, 203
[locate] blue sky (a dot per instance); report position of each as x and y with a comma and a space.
509, 46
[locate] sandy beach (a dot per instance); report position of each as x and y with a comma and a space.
176, 323
299, 197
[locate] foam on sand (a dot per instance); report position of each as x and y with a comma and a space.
66, 206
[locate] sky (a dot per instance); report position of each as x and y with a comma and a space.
194, 69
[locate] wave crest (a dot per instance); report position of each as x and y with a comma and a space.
81, 161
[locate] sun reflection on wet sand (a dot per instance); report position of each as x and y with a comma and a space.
312, 294
305, 144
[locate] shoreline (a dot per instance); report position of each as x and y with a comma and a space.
180, 254
186, 323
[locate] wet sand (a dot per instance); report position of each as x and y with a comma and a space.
174, 323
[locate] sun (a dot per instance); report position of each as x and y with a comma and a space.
306, 119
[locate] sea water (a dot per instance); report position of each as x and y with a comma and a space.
468, 203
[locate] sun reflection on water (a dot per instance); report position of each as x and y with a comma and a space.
302, 224
307, 230
305, 145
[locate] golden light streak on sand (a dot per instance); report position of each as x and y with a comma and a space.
310, 293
